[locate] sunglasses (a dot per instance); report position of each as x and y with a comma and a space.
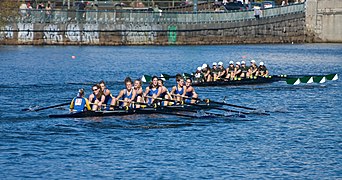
95, 89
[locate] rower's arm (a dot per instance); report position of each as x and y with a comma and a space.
159, 91
72, 104
134, 93
120, 94
146, 91
87, 104
173, 90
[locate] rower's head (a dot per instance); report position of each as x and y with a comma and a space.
96, 88
204, 66
252, 61
102, 85
243, 63
231, 63
180, 81
237, 64
154, 82
214, 65
160, 82
199, 69
128, 83
188, 82
137, 83
80, 93
220, 64
261, 64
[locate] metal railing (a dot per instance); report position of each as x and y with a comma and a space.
119, 16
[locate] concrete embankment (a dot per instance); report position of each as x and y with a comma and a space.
277, 25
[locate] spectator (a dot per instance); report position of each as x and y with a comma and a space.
48, 10
23, 10
257, 12
29, 8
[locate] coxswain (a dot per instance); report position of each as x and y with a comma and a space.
96, 98
199, 77
214, 71
139, 93
128, 94
179, 90
237, 71
206, 73
252, 69
79, 103
152, 91
109, 99
164, 94
262, 70
230, 70
221, 71
190, 93
244, 70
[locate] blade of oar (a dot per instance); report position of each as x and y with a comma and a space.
332, 77
306, 79
293, 81
221, 103
319, 79
146, 78
48, 107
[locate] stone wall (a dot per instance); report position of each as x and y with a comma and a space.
279, 29
324, 20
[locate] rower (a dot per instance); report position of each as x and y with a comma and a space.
206, 73
221, 71
252, 69
153, 91
199, 77
128, 94
79, 103
230, 70
214, 71
96, 98
237, 71
164, 94
109, 99
190, 92
139, 92
179, 90
244, 69
262, 70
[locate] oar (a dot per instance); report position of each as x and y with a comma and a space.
220, 103
48, 107
297, 79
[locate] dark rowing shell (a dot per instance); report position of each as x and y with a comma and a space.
258, 80
148, 110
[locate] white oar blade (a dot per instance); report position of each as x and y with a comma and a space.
143, 79
335, 77
310, 80
323, 80
162, 77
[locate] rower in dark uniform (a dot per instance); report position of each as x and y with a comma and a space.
214, 71
237, 71
199, 77
252, 69
244, 69
262, 70
221, 71
230, 70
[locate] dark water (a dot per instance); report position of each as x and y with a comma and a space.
300, 139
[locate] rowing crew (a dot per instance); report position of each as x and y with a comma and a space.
133, 95
233, 72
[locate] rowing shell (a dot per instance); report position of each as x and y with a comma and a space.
290, 79
147, 110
